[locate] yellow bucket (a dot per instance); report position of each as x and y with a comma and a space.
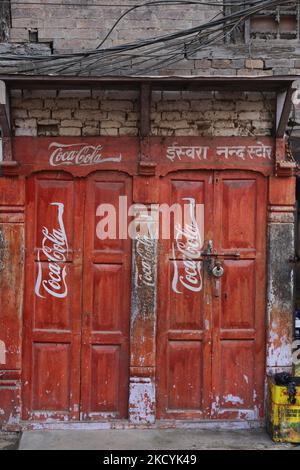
283, 418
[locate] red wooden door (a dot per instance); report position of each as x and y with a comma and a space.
210, 341
106, 304
239, 313
52, 304
77, 301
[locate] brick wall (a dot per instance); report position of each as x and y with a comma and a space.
82, 24
99, 112
73, 25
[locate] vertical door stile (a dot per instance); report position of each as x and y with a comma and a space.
106, 305
184, 337
239, 311
215, 370
52, 306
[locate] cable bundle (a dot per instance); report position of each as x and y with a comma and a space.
147, 55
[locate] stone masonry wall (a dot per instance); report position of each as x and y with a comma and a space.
100, 112
82, 24
76, 25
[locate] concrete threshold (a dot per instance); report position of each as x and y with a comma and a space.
150, 439
125, 424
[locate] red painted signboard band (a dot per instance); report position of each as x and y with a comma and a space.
81, 156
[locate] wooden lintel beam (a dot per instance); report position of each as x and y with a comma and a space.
145, 104
283, 110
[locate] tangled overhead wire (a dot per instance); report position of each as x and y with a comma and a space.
151, 54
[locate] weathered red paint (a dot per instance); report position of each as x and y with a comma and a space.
76, 362
76, 347
210, 361
11, 292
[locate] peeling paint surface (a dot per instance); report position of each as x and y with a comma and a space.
233, 399
2, 353
142, 401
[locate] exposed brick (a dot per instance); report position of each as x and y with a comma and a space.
16, 93
249, 105
116, 105
90, 131
47, 130
116, 115
71, 123
40, 113
31, 132
92, 114
25, 123
48, 122
61, 114
115, 94
183, 132
197, 95
110, 124
191, 115
111, 131
69, 131
27, 104
224, 124
249, 115
171, 95
174, 124
201, 105
171, 116
262, 124
202, 63
228, 95
67, 103
221, 63
254, 64
39, 94
128, 131
89, 104
78, 94
224, 105
173, 106
224, 115
19, 113
226, 132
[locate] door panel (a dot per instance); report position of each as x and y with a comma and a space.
238, 332
77, 301
52, 305
185, 360
183, 341
210, 360
106, 305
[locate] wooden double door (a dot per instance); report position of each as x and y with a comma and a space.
211, 329
77, 300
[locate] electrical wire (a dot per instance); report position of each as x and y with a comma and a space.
164, 49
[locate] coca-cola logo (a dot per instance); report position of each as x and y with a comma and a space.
55, 249
78, 154
188, 243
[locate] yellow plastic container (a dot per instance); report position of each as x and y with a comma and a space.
283, 418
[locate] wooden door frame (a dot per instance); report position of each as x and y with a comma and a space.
260, 327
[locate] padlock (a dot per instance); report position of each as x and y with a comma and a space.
218, 270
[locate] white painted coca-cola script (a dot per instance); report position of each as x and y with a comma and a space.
78, 154
55, 249
145, 251
188, 242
